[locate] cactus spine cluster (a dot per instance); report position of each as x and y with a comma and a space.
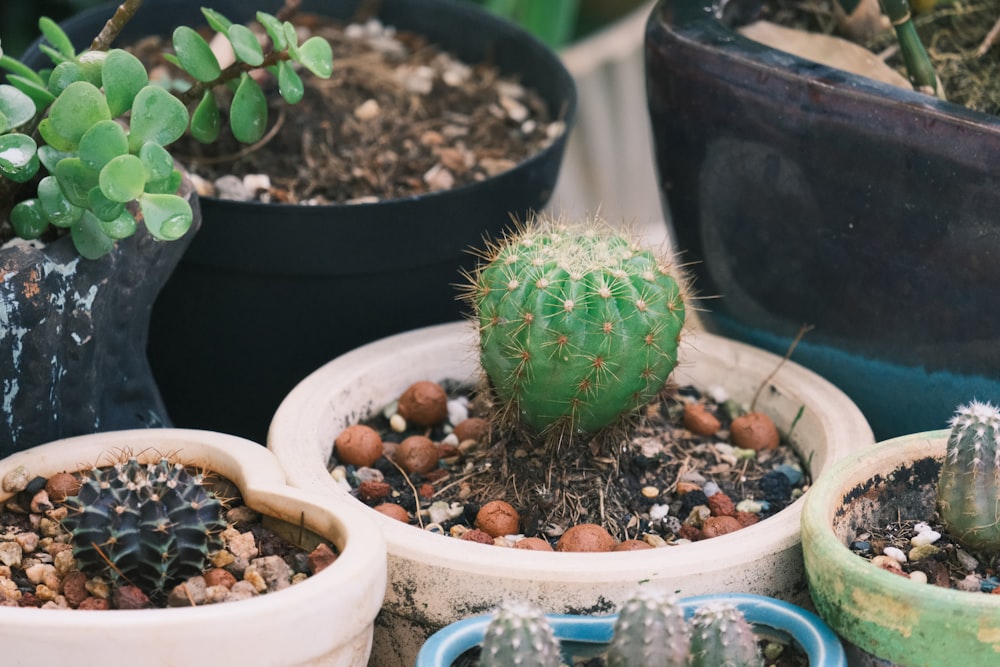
721, 637
519, 635
651, 631
150, 525
577, 324
968, 491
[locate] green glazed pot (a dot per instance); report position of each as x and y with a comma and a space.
887, 617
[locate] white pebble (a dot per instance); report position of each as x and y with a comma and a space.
458, 411
718, 394
921, 527
397, 423
710, 489
919, 576
657, 512
967, 561
450, 439
257, 182
925, 537
16, 480
971, 583
895, 553
748, 505
367, 110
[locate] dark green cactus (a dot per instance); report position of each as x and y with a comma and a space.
651, 631
519, 635
577, 324
722, 637
150, 525
969, 486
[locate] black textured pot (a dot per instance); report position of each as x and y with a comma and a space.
806, 195
73, 337
269, 292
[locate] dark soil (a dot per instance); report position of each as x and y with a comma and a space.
653, 491
952, 33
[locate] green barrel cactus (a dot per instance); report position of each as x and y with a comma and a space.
722, 637
519, 635
651, 631
150, 525
578, 324
969, 485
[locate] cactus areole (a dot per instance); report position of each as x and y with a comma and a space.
969, 486
578, 324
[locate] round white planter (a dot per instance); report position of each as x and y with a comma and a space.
326, 620
435, 580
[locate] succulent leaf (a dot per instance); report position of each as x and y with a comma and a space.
248, 114
124, 77
245, 45
195, 55
16, 107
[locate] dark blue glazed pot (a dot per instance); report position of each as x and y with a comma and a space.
802, 194
766, 614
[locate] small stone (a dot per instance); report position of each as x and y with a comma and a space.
393, 511
241, 545
45, 593
650, 491
16, 480
217, 576
473, 428
255, 579
755, 431
370, 490
130, 597
74, 587
919, 576
222, 558
922, 551
498, 518
424, 403
417, 454
478, 536
710, 489
925, 537
895, 553
792, 472
61, 486
700, 421
98, 587
715, 526
438, 178
36, 574
241, 517
94, 604
367, 110
683, 488
27, 541
277, 575
658, 512
358, 445
231, 187
632, 545
966, 559
397, 423
11, 554
748, 505
721, 505
970, 582
587, 537
533, 544
188, 594
241, 590
887, 563
216, 594
257, 183
321, 558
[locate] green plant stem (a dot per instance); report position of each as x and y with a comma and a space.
918, 63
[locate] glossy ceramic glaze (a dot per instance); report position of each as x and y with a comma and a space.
803, 194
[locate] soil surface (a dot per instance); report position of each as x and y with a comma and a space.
657, 483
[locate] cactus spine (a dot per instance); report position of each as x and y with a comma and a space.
150, 525
651, 631
519, 635
577, 323
968, 492
721, 637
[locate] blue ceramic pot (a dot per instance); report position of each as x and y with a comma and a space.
803, 194
766, 614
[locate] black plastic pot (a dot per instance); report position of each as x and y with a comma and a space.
802, 194
267, 293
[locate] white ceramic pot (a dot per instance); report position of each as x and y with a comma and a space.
328, 619
609, 166
435, 580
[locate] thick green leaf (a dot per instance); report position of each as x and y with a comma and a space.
64, 74
103, 208
38, 93
92, 65
291, 35
245, 45
205, 121
52, 32
124, 77
28, 219
17, 67
53, 54
89, 237
216, 21
76, 180
58, 209
50, 157
289, 83
102, 143
167, 217
248, 113
121, 226
157, 116
77, 109
168, 186
274, 30
156, 161
4, 123
123, 178
195, 54
316, 56
18, 157
16, 107
53, 138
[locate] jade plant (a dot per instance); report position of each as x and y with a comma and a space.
968, 491
579, 325
150, 525
92, 131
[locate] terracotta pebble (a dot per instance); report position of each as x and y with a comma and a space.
394, 511
715, 526
721, 505
61, 485
632, 545
586, 537
373, 490
478, 536
424, 403
358, 445
217, 576
533, 544
416, 455
320, 558
473, 428
755, 431
700, 421
498, 518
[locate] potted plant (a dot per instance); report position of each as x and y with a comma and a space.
804, 193
431, 586
926, 616
83, 154
326, 619
661, 626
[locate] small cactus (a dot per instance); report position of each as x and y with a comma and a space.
969, 486
577, 324
519, 635
651, 631
722, 637
150, 525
